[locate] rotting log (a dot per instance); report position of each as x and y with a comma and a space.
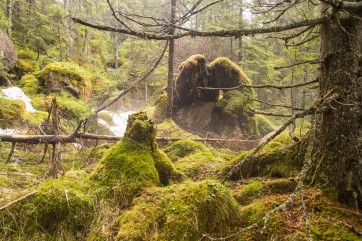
51, 139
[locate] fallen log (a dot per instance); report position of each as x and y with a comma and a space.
52, 139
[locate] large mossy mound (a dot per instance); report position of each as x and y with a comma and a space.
181, 212
195, 159
60, 210
134, 163
64, 76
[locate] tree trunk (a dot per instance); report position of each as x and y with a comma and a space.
240, 47
337, 167
117, 42
171, 50
9, 15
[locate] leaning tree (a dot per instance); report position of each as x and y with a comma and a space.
337, 150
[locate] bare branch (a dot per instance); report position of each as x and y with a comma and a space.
279, 87
136, 83
315, 61
193, 33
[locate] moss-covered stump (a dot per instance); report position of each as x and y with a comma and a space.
64, 76
276, 159
194, 159
134, 163
233, 111
180, 212
60, 210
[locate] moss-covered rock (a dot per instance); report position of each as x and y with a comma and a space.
11, 112
134, 163
60, 210
65, 76
180, 212
195, 159
160, 111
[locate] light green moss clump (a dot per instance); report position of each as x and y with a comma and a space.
27, 66
11, 112
30, 84
60, 210
195, 159
35, 118
181, 212
160, 112
134, 163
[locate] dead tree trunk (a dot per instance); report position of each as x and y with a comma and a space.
171, 51
338, 151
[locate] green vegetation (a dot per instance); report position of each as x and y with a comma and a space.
66, 76
134, 163
30, 85
27, 66
11, 112
195, 159
180, 212
60, 210
168, 128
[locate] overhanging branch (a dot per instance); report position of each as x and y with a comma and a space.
190, 32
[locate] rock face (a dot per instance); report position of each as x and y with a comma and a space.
68, 77
8, 54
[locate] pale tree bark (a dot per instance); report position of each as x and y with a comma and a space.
338, 151
68, 29
170, 62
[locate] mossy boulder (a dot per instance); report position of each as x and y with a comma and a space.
264, 126
60, 210
134, 163
195, 159
11, 112
168, 128
181, 212
8, 54
64, 76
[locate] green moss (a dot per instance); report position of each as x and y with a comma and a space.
11, 112
195, 159
191, 62
263, 124
26, 53
30, 84
249, 192
168, 128
274, 160
60, 210
134, 163
160, 112
165, 168
180, 212
27, 66
75, 108
229, 68
76, 75
35, 118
